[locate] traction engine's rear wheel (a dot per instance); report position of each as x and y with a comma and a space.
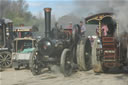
66, 62
35, 64
84, 54
95, 62
5, 59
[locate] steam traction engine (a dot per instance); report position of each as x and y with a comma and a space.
110, 51
50, 50
6, 37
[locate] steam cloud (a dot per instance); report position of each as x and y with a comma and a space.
118, 7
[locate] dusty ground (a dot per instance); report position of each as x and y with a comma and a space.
24, 77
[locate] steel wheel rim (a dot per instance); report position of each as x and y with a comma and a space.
87, 54
68, 62
35, 65
5, 60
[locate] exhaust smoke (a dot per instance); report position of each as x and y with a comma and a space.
118, 7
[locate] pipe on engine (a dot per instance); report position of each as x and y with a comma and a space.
47, 21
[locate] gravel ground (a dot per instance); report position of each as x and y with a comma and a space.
24, 77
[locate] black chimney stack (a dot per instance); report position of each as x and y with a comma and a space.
47, 21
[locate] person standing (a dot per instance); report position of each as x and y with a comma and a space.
105, 29
55, 31
82, 27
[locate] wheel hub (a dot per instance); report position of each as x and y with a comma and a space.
68, 62
86, 53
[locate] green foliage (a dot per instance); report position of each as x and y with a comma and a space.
16, 10
18, 20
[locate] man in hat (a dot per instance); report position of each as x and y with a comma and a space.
82, 27
55, 31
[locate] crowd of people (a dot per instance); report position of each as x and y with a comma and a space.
56, 30
81, 25
105, 31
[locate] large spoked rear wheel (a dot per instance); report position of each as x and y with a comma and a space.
35, 64
66, 62
5, 59
96, 63
84, 54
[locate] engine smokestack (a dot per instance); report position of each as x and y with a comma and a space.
47, 21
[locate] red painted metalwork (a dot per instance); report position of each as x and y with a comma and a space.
110, 55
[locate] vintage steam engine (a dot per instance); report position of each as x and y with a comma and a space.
109, 51
50, 50
6, 37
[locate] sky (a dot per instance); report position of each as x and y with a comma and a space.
59, 7
75, 7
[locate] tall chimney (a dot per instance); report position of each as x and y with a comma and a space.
47, 21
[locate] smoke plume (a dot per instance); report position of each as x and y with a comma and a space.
120, 10
86, 8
